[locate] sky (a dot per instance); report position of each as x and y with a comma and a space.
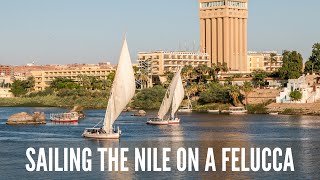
83, 31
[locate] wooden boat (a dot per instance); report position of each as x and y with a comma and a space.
237, 110
72, 117
171, 100
214, 111
123, 90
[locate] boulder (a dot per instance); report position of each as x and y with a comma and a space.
25, 118
79, 110
140, 113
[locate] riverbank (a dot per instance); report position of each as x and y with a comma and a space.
101, 103
295, 108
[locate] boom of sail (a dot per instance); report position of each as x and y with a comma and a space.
173, 96
123, 88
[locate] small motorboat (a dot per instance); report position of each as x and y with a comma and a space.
237, 110
99, 133
71, 117
274, 113
214, 111
185, 110
157, 121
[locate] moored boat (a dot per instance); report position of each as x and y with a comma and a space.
71, 117
123, 90
214, 111
188, 108
237, 110
172, 99
274, 113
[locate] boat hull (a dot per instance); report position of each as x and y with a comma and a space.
214, 111
185, 110
239, 113
157, 122
176, 121
101, 136
65, 120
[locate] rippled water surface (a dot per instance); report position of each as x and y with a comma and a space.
202, 130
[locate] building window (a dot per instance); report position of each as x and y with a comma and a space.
212, 4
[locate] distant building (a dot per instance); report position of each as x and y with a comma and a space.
161, 62
6, 70
308, 85
155, 64
44, 78
261, 61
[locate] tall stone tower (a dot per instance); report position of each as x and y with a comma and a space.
223, 32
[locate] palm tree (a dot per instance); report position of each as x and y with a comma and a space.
247, 88
203, 72
272, 59
217, 68
234, 93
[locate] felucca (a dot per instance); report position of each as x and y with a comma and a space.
172, 99
123, 90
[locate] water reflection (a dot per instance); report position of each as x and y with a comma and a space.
200, 130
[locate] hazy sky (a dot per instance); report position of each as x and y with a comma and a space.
83, 31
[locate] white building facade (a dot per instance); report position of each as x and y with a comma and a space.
308, 85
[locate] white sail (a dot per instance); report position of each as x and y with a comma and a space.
178, 96
123, 88
168, 98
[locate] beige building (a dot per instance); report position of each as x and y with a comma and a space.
153, 65
276, 64
160, 62
44, 78
262, 61
223, 32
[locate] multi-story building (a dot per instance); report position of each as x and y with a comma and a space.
5, 93
6, 70
255, 61
155, 64
262, 61
160, 62
274, 64
44, 78
223, 32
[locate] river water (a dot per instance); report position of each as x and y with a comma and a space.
197, 130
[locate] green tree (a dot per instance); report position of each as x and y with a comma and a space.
272, 60
234, 92
215, 93
313, 64
18, 89
150, 98
64, 83
247, 88
292, 65
188, 73
296, 95
203, 72
217, 68
21, 88
259, 77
